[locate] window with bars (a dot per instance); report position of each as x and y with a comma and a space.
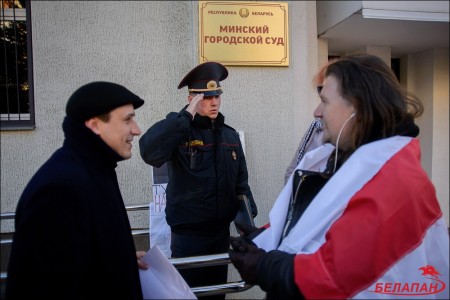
16, 80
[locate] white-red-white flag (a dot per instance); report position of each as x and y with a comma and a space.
375, 230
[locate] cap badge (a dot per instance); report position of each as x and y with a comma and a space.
211, 85
233, 154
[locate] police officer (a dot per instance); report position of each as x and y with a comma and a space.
207, 172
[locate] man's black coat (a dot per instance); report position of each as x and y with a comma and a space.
72, 234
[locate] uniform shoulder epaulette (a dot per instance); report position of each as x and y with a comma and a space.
225, 125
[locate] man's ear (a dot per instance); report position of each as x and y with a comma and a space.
92, 124
190, 98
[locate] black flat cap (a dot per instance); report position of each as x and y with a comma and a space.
205, 78
97, 98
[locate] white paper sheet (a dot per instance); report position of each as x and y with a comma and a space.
159, 230
162, 280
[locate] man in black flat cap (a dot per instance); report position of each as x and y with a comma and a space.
207, 171
72, 234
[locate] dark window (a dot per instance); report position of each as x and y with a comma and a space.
395, 66
16, 84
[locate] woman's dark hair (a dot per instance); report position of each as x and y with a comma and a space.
383, 107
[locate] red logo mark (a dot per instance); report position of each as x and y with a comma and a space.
430, 270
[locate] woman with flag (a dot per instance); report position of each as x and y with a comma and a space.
358, 217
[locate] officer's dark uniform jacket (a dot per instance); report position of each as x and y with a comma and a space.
207, 170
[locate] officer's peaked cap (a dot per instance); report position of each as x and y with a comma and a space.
205, 78
97, 98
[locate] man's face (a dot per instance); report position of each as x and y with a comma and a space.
118, 132
209, 106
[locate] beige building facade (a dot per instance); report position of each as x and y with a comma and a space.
148, 46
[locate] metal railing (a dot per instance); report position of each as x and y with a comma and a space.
209, 261
135, 232
178, 263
